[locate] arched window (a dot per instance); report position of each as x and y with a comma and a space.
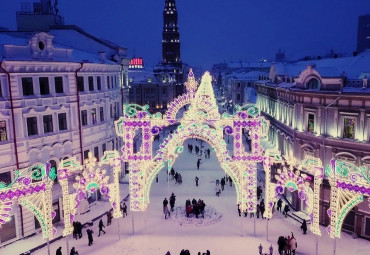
313, 84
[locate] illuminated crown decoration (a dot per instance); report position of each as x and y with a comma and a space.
191, 84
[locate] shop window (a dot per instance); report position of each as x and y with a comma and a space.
311, 123
27, 86
48, 123
32, 126
8, 230
6, 178
349, 128
349, 221
56, 209
86, 154
62, 119
44, 85
367, 227
58, 84
3, 134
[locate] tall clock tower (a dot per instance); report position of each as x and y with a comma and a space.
171, 35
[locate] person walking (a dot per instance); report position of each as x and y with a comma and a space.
258, 211
89, 236
109, 218
198, 163
222, 183
172, 201
286, 210
293, 244
304, 227
262, 208
279, 204
196, 180
124, 209
231, 181
166, 212
73, 251
281, 244
59, 251
101, 226
156, 178
165, 202
239, 211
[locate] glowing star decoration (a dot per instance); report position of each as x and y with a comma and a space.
31, 188
348, 186
191, 85
200, 120
91, 177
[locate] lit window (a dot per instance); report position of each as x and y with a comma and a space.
349, 128
3, 136
311, 123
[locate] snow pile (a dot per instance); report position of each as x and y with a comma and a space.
211, 216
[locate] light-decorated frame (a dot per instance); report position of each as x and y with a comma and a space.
295, 180
92, 176
348, 186
31, 188
202, 120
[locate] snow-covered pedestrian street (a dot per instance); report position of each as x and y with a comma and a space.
230, 234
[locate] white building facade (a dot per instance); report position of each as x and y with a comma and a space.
57, 101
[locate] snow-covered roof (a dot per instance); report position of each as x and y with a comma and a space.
352, 67
252, 75
142, 75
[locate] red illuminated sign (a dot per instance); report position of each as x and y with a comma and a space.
136, 63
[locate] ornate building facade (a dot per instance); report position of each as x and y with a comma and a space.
322, 109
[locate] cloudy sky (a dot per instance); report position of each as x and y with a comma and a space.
213, 31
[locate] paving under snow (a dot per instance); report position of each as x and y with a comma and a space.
223, 232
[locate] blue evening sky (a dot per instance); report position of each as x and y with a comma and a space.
213, 31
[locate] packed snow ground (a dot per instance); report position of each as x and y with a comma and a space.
148, 233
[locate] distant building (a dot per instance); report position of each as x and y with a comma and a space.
171, 64
363, 34
321, 108
60, 91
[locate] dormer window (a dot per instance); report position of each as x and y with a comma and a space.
313, 84
41, 45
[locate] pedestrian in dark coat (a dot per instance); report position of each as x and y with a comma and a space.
73, 251
166, 212
124, 209
222, 183
196, 180
198, 163
165, 202
281, 244
75, 230
279, 204
262, 208
286, 210
89, 236
258, 211
231, 181
172, 201
59, 251
109, 218
101, 226
239, 211
304, 227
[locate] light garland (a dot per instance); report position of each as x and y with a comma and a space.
348, 185
201, 120
31, 188
92, 178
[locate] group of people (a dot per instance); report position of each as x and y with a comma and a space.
77, 229
187, 252
73, 251
287, 245
166, 211
286, 207
195, 207
176, 176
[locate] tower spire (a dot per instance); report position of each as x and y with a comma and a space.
171, 35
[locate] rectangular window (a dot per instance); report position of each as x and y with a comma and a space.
104, 147
80, 84
311, 123
91, 83
84, 117
6, 177
58, 84
32, 126
27, 86
367, 227
238, 84
48, 123
115, 81
111, 82
111, 111
349, 128
96, 152
3, 135
98, 81
44, 85
101, 114
93, 115
86, 154
108, 82
62, 120
1, 89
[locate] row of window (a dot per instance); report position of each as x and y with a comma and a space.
114, 112
115, 146
111, 82
44, 84
32, 127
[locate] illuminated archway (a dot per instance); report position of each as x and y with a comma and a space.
31, 188
200, 120
348, 185
92, 177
